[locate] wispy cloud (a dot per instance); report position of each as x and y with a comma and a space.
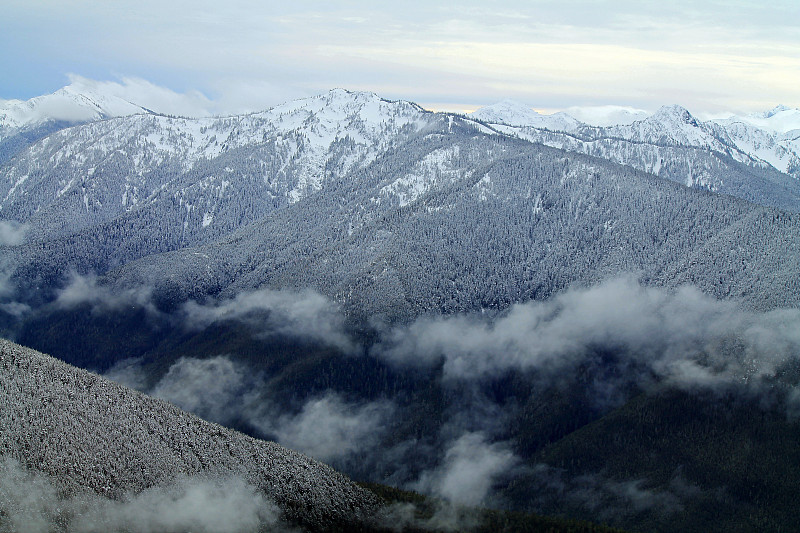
305, 315
149, 95
82, 290
12, 233
608, 499
682, 337
209, 388
302, 315
329, 428
471, 465
326, 427
32, 504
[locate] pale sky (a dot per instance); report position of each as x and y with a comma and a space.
236, 55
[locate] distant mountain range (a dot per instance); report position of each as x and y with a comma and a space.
765, 135
352, 194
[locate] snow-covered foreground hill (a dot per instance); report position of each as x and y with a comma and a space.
70, 436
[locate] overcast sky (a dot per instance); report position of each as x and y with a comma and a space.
709, 56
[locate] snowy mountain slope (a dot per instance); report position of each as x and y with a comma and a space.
485, 222
22, 123
73, 103
513, 113
92, 173
86, 433
216, 174
673, 144
672, 125
341, 192
779, 119
781, 150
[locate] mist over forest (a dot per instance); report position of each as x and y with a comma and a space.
442, 402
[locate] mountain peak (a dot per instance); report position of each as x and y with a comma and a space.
516, 114
673, 114
509, 112
336, 97
780, 118
607, 115
774, 111
340, 93
80, 101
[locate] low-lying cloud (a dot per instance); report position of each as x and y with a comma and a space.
301, 314
471, 466
329, 428
608, 499
12, 233
326, 427
82, 290
8, 304
31, 503
304, 315
682, 337
612, 340
209, 388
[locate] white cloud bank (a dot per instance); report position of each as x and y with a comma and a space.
471, 465
683, 337
326, 427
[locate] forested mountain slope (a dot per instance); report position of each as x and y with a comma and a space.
496, 221
88, 434
214, 174
449, 219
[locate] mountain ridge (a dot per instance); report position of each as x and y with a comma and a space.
96, 197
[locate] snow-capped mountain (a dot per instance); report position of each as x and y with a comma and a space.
100, 170
671, 125
22, 123
512, 113
365, 180
74, 103
673, 144
776, 142
779, 119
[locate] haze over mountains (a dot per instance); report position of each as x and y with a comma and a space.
442, 302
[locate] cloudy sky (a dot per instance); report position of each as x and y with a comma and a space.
240, 55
